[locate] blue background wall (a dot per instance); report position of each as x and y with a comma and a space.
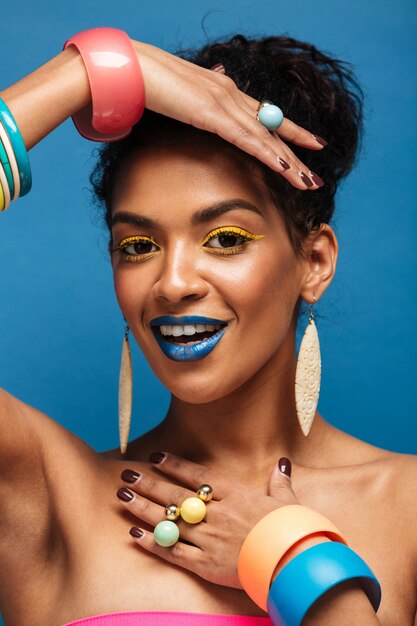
61, 329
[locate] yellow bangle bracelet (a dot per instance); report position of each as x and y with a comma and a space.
5, 191
1, 198
271, 538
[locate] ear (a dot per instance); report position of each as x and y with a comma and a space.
321, 250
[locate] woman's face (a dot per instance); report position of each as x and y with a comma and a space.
200, 238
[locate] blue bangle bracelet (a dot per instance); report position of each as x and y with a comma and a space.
18, 146
313, 572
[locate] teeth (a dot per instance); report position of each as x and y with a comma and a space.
177, 330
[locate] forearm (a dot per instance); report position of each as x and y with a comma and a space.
48, 96
344, 605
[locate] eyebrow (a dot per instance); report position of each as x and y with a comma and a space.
199, 217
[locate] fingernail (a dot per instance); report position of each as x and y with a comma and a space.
305, 179
218, 68
316, 179
125, 494
320, 140
156, 457
284, 164
284, 466
136, 532
129, 476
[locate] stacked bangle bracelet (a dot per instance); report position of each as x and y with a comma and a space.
308, 575
116, 83
313, 572
15, 172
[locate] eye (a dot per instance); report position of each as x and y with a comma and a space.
136, 248
228, 239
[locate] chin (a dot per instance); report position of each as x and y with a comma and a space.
199, 390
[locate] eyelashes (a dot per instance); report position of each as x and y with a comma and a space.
141, 245
230, 240
227, 236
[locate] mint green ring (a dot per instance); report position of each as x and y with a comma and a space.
166, 533
270, 115
7, 169
18, 146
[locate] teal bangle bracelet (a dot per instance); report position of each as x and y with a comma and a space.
7, 169
313, 572
18, 146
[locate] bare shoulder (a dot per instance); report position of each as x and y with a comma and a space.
392, 476
28, 432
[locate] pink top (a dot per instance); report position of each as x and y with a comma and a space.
170, 618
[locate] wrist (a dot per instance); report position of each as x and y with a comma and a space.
60, 87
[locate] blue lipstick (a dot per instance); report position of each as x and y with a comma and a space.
193, 352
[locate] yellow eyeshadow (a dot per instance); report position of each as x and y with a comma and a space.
231, 229
135, 239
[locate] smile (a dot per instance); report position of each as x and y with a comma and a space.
187, 338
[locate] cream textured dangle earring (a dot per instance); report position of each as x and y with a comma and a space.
125, 393
308, 375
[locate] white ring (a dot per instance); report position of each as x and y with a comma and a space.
5, 185
12, 160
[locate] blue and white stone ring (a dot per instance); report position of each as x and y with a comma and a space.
269, 115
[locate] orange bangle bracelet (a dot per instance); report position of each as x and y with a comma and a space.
272, 537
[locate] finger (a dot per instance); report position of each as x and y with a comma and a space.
280, 485
160, 491
181, 554
152, 514
247, 134
245, 131
189, 473
311, 179
290, 131
296, 134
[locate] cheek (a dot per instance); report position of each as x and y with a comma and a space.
261, 285
129, 296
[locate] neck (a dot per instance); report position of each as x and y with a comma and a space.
246, 432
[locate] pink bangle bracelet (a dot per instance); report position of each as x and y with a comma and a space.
116, 82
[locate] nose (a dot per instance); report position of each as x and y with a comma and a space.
179, 278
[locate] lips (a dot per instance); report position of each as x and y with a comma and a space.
187, 338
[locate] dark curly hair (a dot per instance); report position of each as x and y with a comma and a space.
314, 90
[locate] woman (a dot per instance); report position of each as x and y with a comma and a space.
237, 235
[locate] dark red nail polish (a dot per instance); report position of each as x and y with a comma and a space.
321, 141
306, 179
284, 466
136, 532
156, 457
284, 164
316, 179
129, 476
125, 494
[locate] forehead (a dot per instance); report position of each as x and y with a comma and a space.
174, 180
